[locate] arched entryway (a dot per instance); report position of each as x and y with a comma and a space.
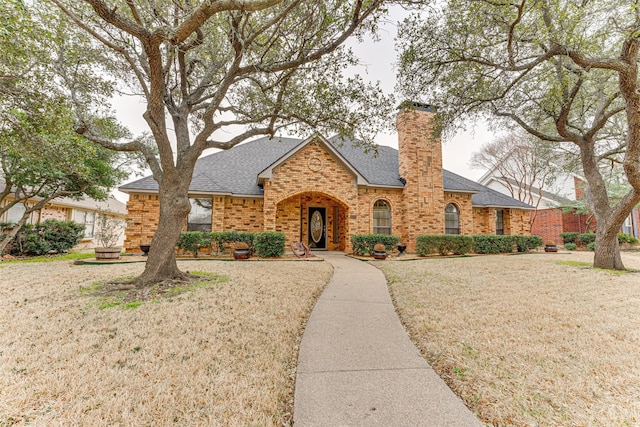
314, 218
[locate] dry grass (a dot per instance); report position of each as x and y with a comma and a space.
218, 355
525, 340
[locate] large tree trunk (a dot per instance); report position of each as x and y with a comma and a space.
607, 250
174, 208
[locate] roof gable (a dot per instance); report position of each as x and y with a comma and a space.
267, 173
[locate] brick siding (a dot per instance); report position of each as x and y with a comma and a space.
314, 177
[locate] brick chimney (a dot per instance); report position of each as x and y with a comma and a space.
420, 166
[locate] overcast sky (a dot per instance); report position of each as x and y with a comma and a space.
377, 60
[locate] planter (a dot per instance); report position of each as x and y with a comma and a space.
241, 253
551, 248
401, 249
144, 247
107, 254
379, 255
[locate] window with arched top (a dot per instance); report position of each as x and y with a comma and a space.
381, 217
451, 219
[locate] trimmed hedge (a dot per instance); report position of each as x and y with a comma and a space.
526, 243
363, 243
192, 241
490, 244
443, 244
223, 240
570, 246
569, 236
218, 241
586, 238
625, 238
270, 244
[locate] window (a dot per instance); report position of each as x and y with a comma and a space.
200, 215
626, 226
499, 222
381, 218
86, 218
451, 219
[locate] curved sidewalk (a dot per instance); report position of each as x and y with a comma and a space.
357, 366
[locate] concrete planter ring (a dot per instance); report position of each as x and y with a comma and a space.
107, 254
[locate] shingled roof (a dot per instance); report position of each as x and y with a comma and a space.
235, 171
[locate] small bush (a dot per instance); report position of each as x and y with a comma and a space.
569, 236
570, 246
591, 246
270, 244
363, 243
191, 241
223, 240
586, 238
47, 236
489, 244
526, 243
625, 238
443, 244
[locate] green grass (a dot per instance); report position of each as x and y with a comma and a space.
129, 299
575, 263
590, 265
84, 254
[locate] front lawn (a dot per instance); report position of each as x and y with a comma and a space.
525, 339
223, 353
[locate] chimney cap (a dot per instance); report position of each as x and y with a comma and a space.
420, 106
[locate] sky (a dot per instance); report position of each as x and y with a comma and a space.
377, 64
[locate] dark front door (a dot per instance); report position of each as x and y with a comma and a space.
318, 228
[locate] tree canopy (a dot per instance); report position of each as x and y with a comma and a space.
564, 71
217, 73
41, 156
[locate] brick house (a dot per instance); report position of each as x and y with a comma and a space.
555, 212
85, 211
322, 191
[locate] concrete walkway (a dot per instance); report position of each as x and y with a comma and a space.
357, 366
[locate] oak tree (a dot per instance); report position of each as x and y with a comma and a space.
215, 73
564, 71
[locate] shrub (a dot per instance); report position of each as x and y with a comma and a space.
625, 238
443, 244
489, 244
569, 236
363, 243
570, 246
191, 241
270, 244
223, 240
591, 246
525, 243
586, 238
47, 236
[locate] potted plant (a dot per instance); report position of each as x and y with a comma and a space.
107, 234
241, 251
380, 251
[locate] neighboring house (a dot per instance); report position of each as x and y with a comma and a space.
85, 211
553, 215
322, 191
